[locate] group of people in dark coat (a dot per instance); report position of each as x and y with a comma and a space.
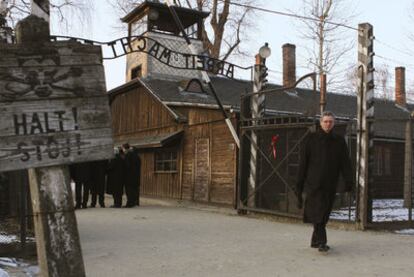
122, 173
124, 169
324, 157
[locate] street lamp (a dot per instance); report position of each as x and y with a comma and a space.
265, 51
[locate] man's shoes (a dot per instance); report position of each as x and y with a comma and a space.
323, 248
116, 206
315, 245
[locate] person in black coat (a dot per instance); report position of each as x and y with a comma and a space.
324, 157
98, 175
115, 179
81, 174
132, 175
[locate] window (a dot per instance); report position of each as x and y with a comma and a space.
387, 161
192, 31
136, 72
166, 161
139, 27
382, 161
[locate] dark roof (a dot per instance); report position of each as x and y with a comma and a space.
156, 141
298, 101
184, 13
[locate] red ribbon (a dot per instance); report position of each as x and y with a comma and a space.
275, 138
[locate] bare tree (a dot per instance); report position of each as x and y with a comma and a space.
63, 9
223, 30
331, 43
382, 77
351, 85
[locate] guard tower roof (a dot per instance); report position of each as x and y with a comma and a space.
188, 16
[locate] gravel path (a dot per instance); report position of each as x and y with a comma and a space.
156, 240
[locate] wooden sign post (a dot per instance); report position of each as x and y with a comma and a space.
54, 111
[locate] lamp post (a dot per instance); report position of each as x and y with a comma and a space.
258, 109
260, 74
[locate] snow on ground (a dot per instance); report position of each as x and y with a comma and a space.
7, 238
17, 267
405, 232
383, 210
3, 273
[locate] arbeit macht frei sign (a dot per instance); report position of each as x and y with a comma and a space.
53, 105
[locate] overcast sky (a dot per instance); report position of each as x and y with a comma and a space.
391, 23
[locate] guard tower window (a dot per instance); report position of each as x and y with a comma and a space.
140, 26
156, 17
136, 72
192, 31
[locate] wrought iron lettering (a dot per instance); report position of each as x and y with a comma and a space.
127, 45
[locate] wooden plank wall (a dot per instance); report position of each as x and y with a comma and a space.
136, 111
208, 124
54, 109
136, 114
158, 184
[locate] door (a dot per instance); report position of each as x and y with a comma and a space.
202, 169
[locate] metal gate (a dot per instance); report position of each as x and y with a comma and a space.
279, 141
270, 149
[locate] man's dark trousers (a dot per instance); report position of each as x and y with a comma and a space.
319, 234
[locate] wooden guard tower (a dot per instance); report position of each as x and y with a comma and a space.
153, 20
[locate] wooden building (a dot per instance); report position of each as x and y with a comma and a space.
186, 149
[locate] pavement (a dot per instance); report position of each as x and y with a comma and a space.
173, 238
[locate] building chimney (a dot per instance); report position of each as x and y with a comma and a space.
289, 65
400, 97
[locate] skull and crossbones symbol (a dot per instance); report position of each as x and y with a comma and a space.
41, 81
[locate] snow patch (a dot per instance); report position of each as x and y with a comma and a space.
382, 210
405, 232
3, 273
10, 262
16, 265
7, 239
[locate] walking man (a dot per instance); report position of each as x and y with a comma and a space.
323, 158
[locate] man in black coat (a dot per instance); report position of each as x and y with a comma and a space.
323, 158
132, 175
98, 174
115, 180
81, 174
